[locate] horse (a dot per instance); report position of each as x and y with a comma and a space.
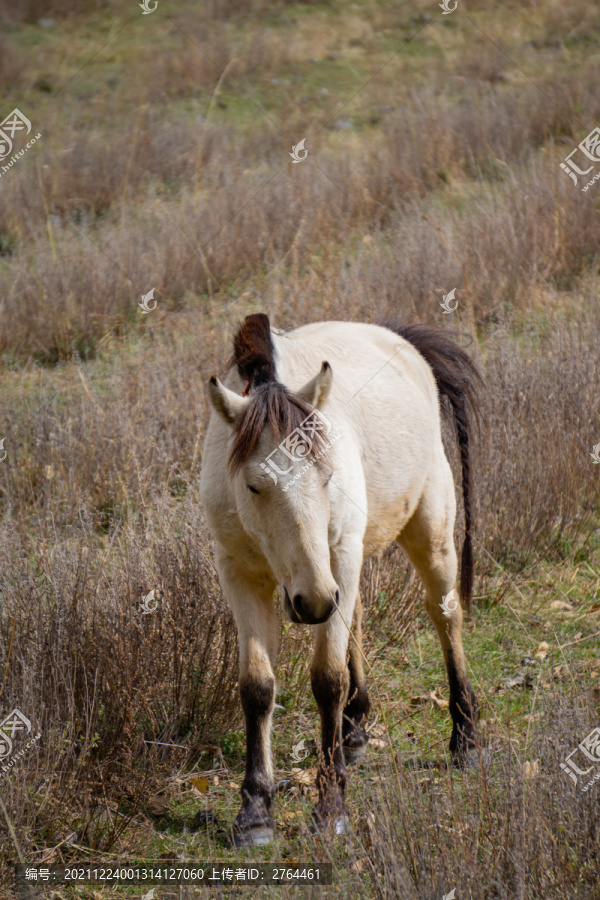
324, 445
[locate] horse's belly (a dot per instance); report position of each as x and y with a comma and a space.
386, 521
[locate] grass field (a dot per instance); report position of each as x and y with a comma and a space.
434, 145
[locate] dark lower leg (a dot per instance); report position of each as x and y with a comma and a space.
463, 708
257, 696
358, 704
329, 689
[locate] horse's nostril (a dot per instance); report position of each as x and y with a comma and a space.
313, 612
337, 597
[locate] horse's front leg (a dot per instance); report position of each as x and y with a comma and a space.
255, 616
330, 683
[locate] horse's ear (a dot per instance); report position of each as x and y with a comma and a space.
316, 391
228, 404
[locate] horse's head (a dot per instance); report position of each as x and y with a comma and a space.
280, 471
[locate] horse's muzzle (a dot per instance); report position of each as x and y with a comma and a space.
303, 611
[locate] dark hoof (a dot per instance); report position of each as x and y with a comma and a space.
257, 836
253, 826
471, 758
355, 744
340, 824
355, 753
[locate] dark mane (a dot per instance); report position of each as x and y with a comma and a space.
271, 404
253, 352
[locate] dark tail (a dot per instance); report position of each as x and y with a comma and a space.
458, 380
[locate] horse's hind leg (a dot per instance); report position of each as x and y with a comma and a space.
354, 736
428, 540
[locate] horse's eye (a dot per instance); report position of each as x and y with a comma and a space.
253, 489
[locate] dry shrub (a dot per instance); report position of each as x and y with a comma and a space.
226, 9
104, 447
12, 68
191, 246
102, 680
392, 595
34, 10
196, 66
578, 21
536, 484
175, 206
498, 834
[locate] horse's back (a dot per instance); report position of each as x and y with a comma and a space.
368, 361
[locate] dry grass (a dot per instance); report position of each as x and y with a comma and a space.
122, 212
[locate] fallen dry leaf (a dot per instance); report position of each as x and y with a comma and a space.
419, 700
521, 681
200, 783
376, 730
432, 696
438, 701
304, 776
542, 650
377, 744
560, 604
233, 786
531, 769
359, 865
158, 805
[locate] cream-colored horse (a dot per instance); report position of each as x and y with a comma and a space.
324, 446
